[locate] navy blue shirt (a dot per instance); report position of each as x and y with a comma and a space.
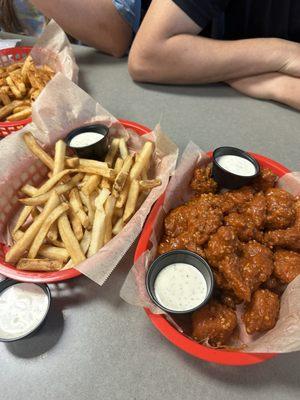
241, 19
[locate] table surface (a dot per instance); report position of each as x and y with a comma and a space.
94, 345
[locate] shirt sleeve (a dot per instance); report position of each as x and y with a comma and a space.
202, 11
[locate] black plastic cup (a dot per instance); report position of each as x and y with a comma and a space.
95, 151
227, 179
10, 282
179, 256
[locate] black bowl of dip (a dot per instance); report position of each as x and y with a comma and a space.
23, 309
89, 141
233, 167
179, 281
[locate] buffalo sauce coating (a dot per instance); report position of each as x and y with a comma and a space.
240, 233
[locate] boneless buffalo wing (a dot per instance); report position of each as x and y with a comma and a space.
214, 323
286, 265
262, 313
251, 239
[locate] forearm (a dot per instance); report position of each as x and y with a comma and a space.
96, 23
271, 86
188, 59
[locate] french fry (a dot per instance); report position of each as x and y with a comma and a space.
34, 78
103, 171
39, 264
105, 184
122, 176
143, 161
77, 207
87, 202
14, 66
13, 88
36, 149
109, 210
34, 94
20, 108
118, 226
72, 162
123, 195
60, 189
22, 218
84, 244
20, 115
53, 232
91, 184
48, 69
16, 77
113, 149
101, 198
123, 148
41, 235
29, 190
118, 164
55, 253
18, 249
149, 184
84, 162
98, 232
131, 200
69, 240
76, 224
8, 109
25, 68
4, 97
57, 243
17, 235
59, 158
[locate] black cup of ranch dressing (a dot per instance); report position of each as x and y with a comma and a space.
179, 282
233, 168
89, 141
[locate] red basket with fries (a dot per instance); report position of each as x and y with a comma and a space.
7, 57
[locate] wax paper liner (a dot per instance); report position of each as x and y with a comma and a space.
54, 49
61, 107
285, 336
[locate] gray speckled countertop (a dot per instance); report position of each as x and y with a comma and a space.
94, 346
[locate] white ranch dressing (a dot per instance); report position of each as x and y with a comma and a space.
22, 307
85, 139
237, 165
180, 287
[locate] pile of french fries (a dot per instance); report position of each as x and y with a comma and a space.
20, 85
80, 207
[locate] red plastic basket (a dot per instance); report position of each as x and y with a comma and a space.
169, 331
8, 56
10, 271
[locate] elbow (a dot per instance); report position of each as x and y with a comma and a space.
142, 65
118, 50
115, 49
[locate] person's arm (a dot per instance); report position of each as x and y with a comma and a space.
96, 23
168, 50
272, 86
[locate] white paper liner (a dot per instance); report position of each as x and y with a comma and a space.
61, 107
285, 336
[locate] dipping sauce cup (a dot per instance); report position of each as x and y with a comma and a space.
89, 141
23, 309
233, 168
179, 281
